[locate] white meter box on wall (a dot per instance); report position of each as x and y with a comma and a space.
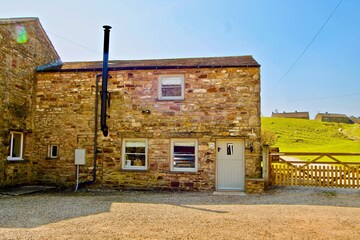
80, 156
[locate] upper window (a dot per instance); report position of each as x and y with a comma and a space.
134, 154
53, 151
184, 155
171, 87
16, 146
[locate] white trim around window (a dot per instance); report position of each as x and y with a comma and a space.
16, 146
135, 154
53, 151
171, 87
184, 155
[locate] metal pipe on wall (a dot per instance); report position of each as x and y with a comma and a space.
96, 125
104, 101
104, 91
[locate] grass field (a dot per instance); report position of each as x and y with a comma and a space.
313, 136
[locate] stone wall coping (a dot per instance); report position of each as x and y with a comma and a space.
17, 20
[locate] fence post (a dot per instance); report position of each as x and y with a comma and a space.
266, 167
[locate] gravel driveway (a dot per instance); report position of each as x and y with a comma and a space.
282, 213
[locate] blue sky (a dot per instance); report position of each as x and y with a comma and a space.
325, 79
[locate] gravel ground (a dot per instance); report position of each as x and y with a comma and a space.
281, 213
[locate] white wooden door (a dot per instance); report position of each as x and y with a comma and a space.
230, 164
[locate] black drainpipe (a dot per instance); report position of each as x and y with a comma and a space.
96, 124
105, 97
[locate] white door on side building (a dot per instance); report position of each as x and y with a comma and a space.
230, 164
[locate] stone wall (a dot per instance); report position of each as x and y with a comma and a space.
254, 185
219, 103
24, 46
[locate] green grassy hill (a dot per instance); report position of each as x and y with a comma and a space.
313, 136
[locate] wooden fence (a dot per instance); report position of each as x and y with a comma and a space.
319, 176
325, 170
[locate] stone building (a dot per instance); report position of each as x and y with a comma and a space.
355, 119
179, 124
333, 117
24, 45
296, 114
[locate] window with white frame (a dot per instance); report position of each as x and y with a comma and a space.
134, 154
53, 151
16, 146
171, 87
184, 155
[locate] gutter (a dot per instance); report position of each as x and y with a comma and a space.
99, 69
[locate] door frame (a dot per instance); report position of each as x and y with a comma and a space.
242, 141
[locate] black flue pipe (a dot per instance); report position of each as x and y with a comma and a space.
104, 91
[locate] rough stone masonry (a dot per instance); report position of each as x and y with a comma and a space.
53, 108
23, 46
221, 102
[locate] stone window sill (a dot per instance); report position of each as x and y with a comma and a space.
10, 161
184, 172
134, 170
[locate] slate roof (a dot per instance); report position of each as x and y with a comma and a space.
176, 63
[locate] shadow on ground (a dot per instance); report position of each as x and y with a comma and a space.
34, 210
28, 211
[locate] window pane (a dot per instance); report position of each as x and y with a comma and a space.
184, 149
171, 81
184, 154
184, 161
134, 159
135, 150
54, 151
135, 144
184, 144
135, 153
171, 86
16, 150
171, 91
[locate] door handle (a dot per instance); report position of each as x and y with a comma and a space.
219, 148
